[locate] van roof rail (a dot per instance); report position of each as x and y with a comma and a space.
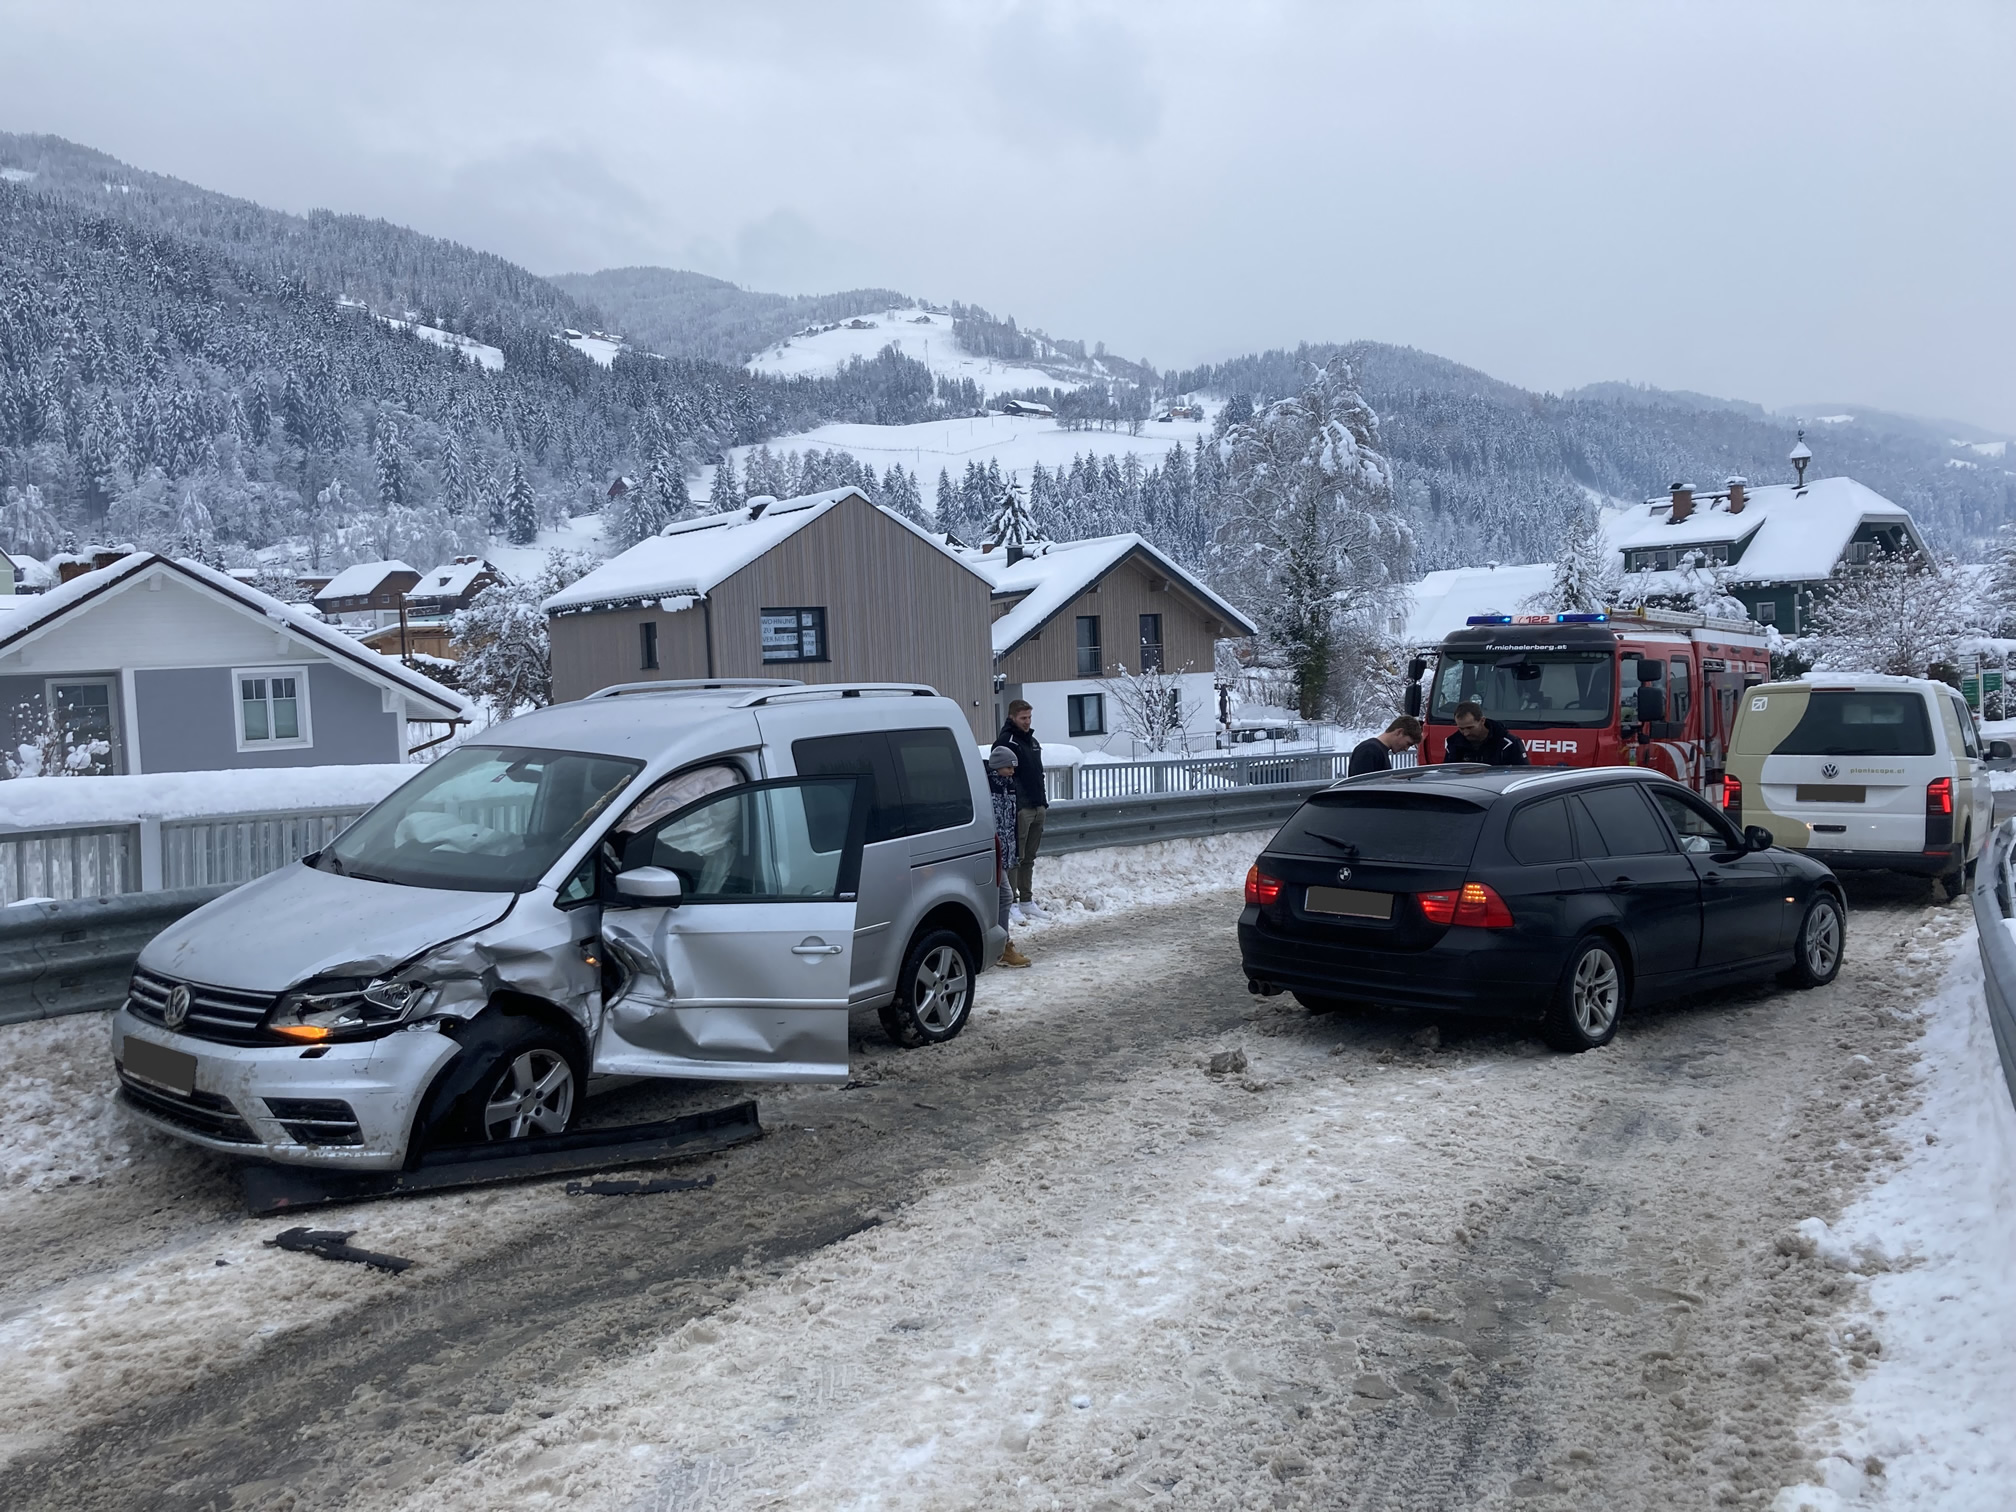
837, 690
694, 685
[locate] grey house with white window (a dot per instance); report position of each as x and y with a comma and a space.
153, 665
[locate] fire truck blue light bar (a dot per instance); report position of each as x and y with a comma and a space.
1489, 619
1581, 619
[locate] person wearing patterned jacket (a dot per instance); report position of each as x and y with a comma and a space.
1001, 762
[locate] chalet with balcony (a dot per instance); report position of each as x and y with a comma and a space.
1774, 548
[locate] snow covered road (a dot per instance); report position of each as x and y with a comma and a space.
1062, 1262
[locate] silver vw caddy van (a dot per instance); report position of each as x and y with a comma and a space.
676, 880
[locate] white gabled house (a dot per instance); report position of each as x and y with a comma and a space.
154, 665
1067, 614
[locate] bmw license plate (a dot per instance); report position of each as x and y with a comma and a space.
172, 1069
1349, 903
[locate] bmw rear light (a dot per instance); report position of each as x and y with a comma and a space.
1262, 891
1732, 799
1475, 904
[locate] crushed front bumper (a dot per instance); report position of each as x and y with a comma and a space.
344, 1106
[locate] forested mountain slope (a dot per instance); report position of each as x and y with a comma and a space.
1485, 469
217, 393
691, 315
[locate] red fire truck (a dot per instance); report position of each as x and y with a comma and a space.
1653, 688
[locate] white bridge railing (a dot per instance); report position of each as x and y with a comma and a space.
1097, 780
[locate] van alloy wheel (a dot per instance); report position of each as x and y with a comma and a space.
934, 991
535, 1095
1596, 991
942, 984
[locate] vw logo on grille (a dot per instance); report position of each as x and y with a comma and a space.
1343, 874
175, 1012
1830, 770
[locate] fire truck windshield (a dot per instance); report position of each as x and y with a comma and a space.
1527, 688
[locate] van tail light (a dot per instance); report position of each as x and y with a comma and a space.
1262, 891
1938, 815
1475, 904
1732, 799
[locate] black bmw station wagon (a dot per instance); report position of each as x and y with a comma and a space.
1555, 895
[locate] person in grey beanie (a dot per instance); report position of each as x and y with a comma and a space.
1001, 788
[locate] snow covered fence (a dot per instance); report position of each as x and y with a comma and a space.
1995, 920
95, 837
1095, 780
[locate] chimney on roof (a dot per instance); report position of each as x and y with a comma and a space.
1016, 554
1738, 494
1683, 503
1800, 456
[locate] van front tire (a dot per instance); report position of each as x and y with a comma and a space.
934, 991
517, 1078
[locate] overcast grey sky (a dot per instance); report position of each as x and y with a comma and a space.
1786, 202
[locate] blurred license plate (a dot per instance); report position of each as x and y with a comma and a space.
1813, 792
163, 1067
1349, 903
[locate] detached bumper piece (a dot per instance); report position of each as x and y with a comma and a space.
334, 1244
282, 1189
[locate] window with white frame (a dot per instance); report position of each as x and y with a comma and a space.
271, 707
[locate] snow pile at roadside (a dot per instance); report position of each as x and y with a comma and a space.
31, 802
1135, 876
1931, 1423
62, 1126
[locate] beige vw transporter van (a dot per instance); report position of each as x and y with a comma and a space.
1863, 771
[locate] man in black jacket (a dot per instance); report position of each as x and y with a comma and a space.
1376, 754
1481, 739
1033, 803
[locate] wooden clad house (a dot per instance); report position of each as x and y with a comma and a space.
827, 588
368, 593
1068, 615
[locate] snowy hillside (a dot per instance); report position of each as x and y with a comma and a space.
927, 337
1016, 444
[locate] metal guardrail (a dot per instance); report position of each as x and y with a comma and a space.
74, 957
1094, 780
1994, 909
1176, 816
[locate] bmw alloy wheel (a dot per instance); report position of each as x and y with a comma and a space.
1595, 992
942, 986
1823, 941
534, 1096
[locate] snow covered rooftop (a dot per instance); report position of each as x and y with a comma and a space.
1052, 574
21, 617
1792, 533
362, 579
451, 579
690, 558
1442, 601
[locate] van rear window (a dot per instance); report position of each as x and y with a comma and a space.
1880, 722
1426, 829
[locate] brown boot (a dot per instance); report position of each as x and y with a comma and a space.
1010, 956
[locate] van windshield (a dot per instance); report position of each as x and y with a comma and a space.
1527, 688
481, 819
1880, 722
1425, 829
